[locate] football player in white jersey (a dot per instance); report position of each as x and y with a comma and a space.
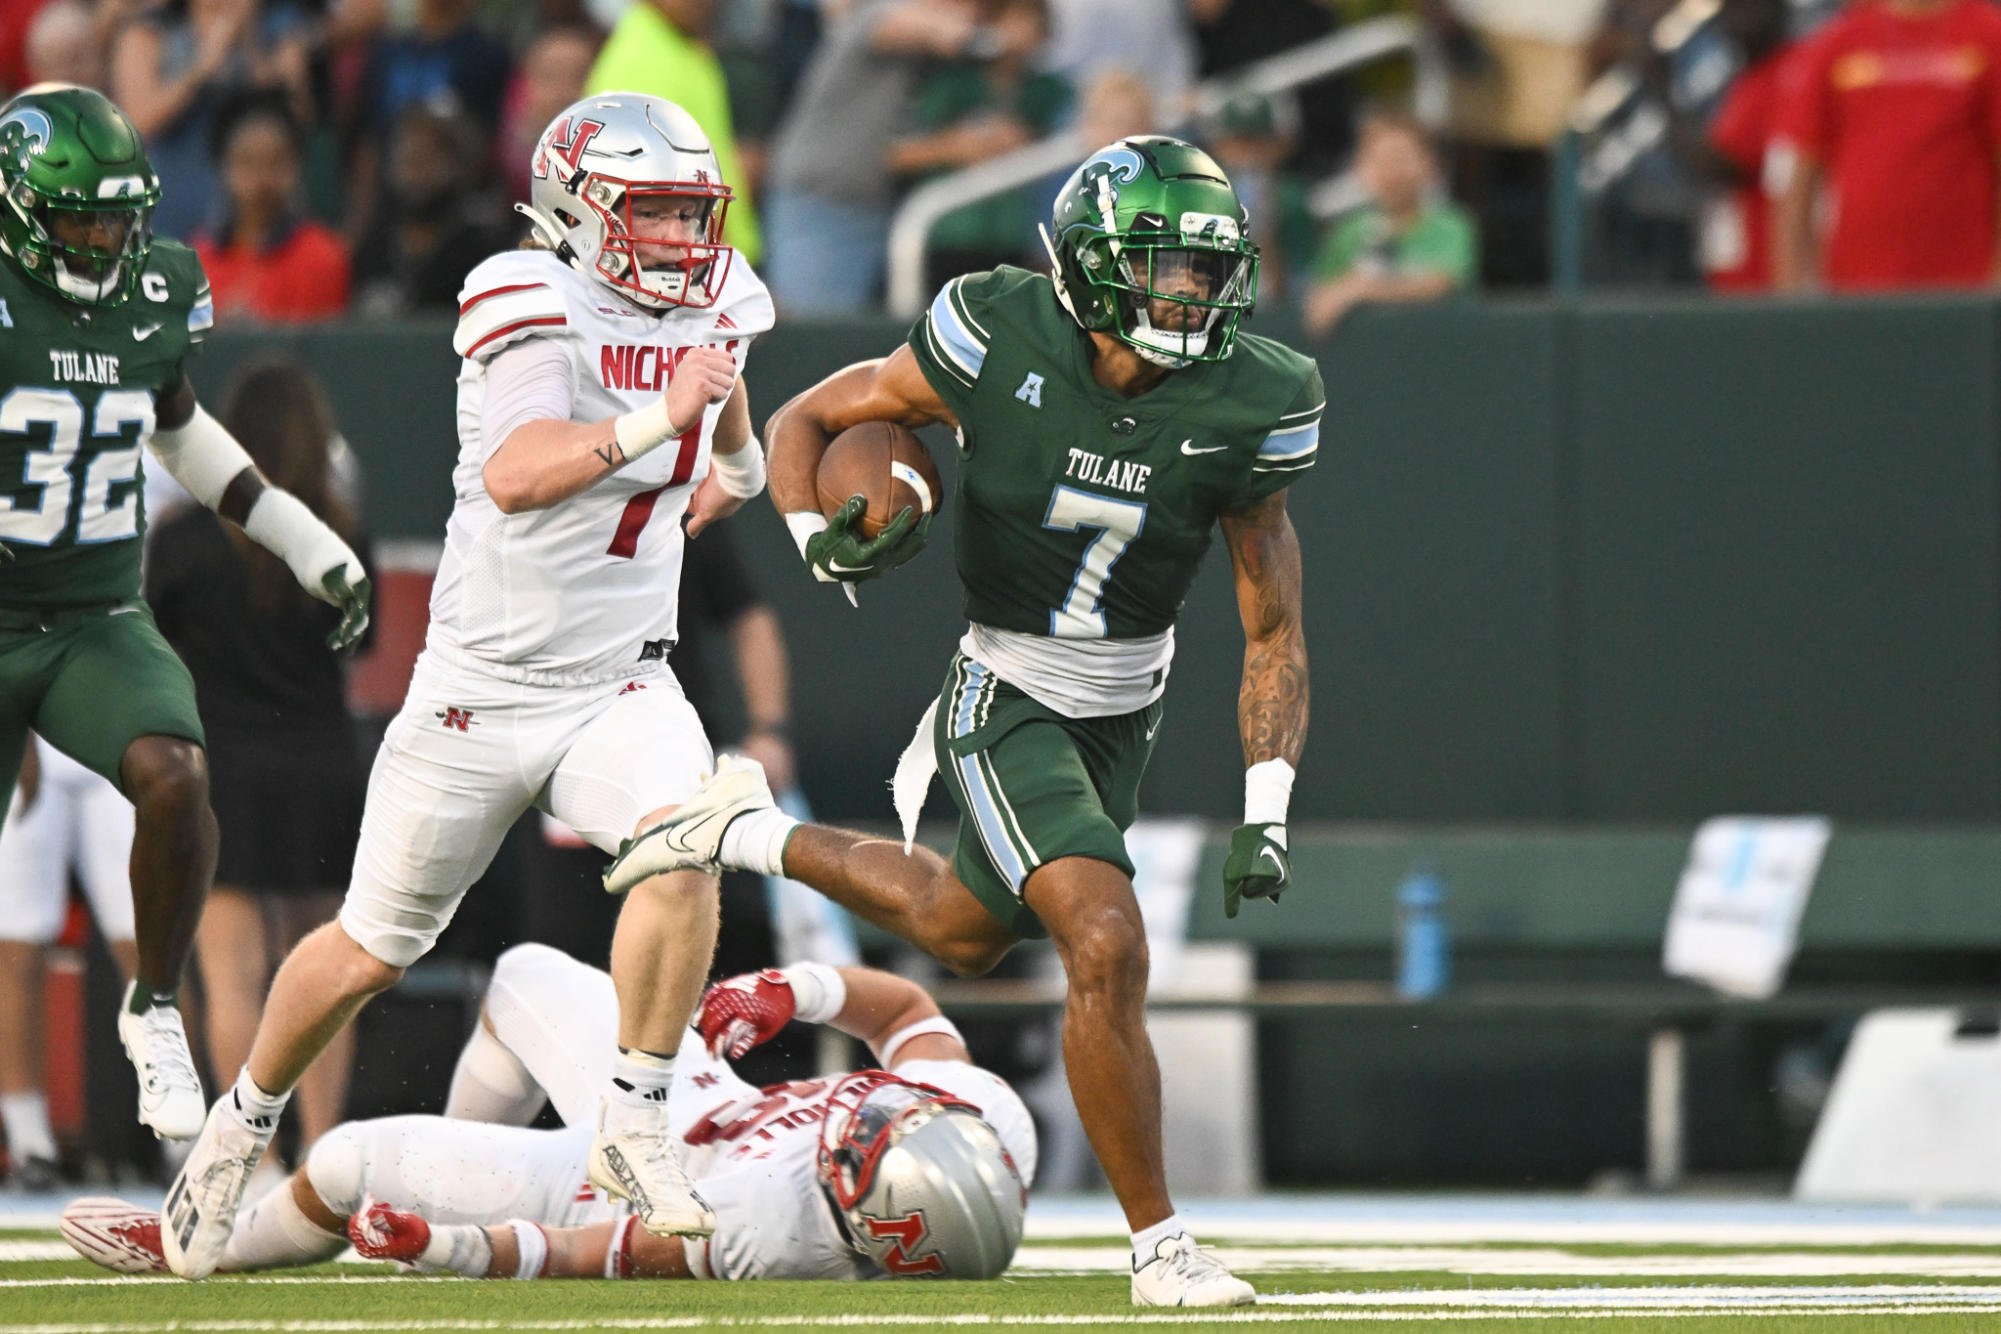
916, 1170
599, 401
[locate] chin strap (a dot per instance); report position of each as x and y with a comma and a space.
547, 232
1055, 269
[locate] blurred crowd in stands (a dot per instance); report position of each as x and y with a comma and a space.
356, 157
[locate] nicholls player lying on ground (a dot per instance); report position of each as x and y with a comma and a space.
917, 1169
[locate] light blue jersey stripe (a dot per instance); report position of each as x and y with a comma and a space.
975, 676
968, 713
987, 818
201, 316
1291, 442
954, 335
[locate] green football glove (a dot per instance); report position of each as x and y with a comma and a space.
352, 599
1258, 866
839, 554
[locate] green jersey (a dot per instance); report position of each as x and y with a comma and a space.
77, 386
1081, 514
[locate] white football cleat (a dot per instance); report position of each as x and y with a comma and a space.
170, 1100
1183, 1274
692, 837
637, 1163
202, 1203
121, 1237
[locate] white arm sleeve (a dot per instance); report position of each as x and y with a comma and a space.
529, 381
201, 455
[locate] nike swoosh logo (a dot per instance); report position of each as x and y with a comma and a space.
140, 334
835, 567
1276, 864
1188, 448
1151, 730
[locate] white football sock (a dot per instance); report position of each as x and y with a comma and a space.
1147, 1238
255, 1109
275, 1234
640, 1083
491, 1084
26, 1117
755, 841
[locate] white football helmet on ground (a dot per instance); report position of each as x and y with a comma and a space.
921, 1182
597, 159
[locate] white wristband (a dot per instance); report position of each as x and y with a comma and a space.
462, 1249
532, 1244
804, 525
740, 474
280, 523
618, 1251
819, 992
643, 429
1267, 792
201, 455
937, 1024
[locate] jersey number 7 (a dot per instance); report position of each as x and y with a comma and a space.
1118, 522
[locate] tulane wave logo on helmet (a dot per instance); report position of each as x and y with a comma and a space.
24, 134
1113, 167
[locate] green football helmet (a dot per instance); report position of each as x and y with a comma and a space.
78, 192
1147, 243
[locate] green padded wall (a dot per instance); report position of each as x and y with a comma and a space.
1564, 561
1785, 561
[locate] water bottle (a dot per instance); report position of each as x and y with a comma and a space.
1424, 944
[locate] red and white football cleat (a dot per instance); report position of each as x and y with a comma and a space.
121, 1237
382, 1233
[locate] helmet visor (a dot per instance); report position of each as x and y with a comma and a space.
90, 253
664, 239
852, 1145
1174, 297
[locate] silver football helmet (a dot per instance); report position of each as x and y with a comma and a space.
923, 1185
615, 156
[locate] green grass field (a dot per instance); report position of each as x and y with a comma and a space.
1680, 1288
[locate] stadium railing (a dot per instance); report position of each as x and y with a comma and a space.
1350, 48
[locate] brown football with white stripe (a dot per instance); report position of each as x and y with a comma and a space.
886, 465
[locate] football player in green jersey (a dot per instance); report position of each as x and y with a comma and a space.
96, 320
1110, 418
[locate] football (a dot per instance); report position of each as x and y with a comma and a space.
886, 465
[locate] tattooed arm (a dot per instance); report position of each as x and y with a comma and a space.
1272, 703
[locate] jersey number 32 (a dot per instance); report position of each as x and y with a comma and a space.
40, 518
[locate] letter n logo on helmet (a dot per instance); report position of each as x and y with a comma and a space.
567, 143
905, 1234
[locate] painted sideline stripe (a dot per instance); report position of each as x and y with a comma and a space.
1046, 1260
17, 1252
1165, 1317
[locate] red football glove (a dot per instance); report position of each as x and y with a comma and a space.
382, 1233
742, 1011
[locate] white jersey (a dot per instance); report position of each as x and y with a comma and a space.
584, 590
753, 1153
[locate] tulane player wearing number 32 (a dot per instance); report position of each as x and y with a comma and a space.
1110, 418
97, 318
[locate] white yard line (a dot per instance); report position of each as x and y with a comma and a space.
1242, 1317
1046, 1260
